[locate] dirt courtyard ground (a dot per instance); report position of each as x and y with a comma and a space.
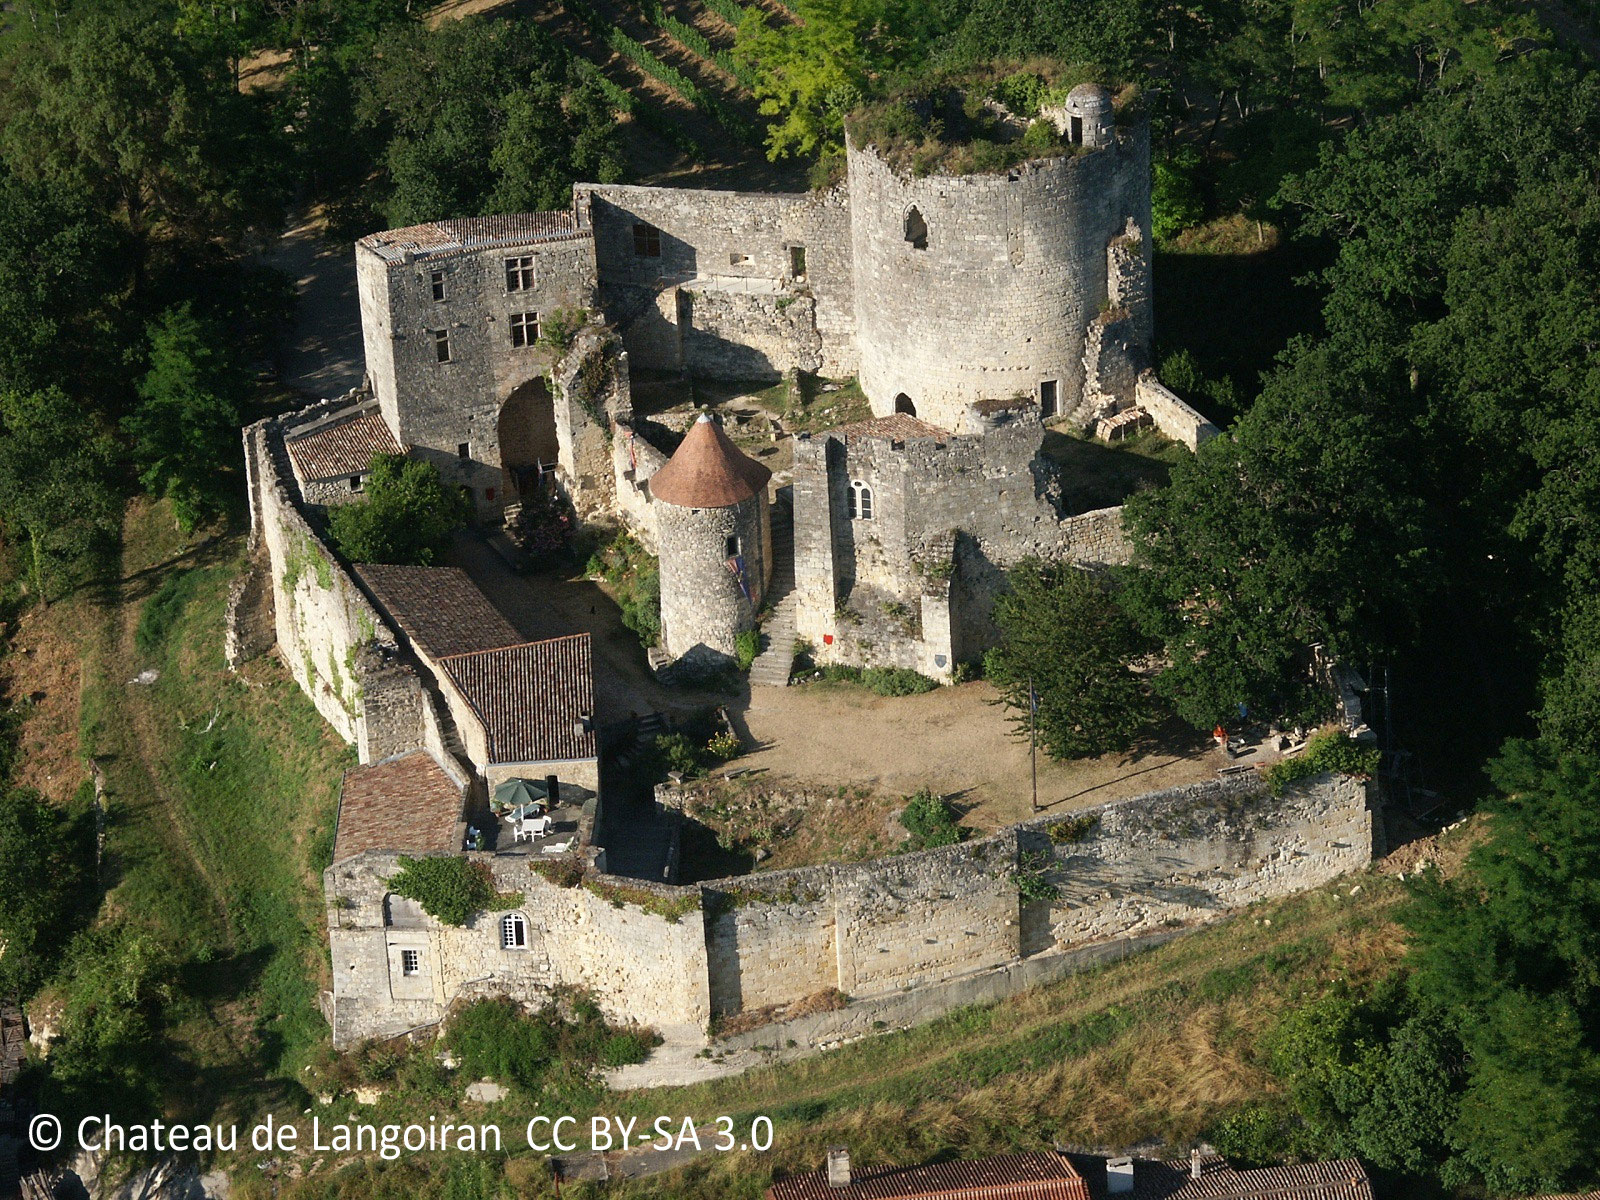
954, 740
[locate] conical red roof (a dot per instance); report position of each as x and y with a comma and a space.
708, 470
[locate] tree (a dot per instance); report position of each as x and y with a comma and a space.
1174, 199
1062, 632
187, 423
407, 515
47, 886
59, 487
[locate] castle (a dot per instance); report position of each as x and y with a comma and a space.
974, 310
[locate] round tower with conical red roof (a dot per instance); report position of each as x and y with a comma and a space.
714, 531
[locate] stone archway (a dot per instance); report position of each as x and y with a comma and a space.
903, 404
527, 434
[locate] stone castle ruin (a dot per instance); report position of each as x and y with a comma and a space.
974, 310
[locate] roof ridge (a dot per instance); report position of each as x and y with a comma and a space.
563, 637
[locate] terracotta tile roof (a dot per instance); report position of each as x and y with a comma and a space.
1344, 1179
404, 803
343, 448
463, 235
532, 699
439, 608
708, 471
1031, 1176
897, 426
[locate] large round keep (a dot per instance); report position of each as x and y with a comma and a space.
979, 287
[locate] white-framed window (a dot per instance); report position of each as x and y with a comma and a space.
860, 501
441, 345
524, 329
519, 274
411, 962
436, 282
513, 932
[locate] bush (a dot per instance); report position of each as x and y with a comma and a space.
495, 1039
724, 746
1330, 750
896, 681
678, 753
634, 576
747, 647
406, 517
930, 821
449, 889
47, 887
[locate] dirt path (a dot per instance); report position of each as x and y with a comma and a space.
954, 740
324, 356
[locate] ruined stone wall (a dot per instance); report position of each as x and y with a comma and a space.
436, 407
1171, 415
1013, 271
592, 388
640, 966
633, 461
726, 241
703, 609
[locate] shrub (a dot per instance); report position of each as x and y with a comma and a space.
558, 328
931, 822
536, 1053
449, 889
1331, 750
1032, 877
406, 517
746, 647
678, 753
724, 746
896, 681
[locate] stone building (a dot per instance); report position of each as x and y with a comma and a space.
714, 530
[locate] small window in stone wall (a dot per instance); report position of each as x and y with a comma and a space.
860, 501
524, 329
646, 240
797, 262
355, 483
441, 345
513, 932
411, 962
732, 546
463, 451
738, 260
436, 281
916, 229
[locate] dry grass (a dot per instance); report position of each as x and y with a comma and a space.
1236, 234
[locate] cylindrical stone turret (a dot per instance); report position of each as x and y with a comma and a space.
980, 287
715, 537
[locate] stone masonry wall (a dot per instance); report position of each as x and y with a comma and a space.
747, 333
1171, 415
703, 609
725, 241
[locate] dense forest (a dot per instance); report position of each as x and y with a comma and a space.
1413, 482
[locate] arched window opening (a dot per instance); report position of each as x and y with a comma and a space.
513, 932
916, 229
860, 501
903, 404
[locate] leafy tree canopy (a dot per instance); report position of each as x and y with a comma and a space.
47, 886
407, 515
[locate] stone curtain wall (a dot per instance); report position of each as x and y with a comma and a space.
1171, 415
676, 956
639, 966
1013, 272
725, 241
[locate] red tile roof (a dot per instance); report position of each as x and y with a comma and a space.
897, 426
536, 701
1031, 1176
404, 803
1344, 1179
463, 235
708, 471
439, 608
343, 448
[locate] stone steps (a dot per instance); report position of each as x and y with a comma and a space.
772, 666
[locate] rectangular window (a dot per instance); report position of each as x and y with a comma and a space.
464, 451
410, 962
1047, 398
738, 260
732, 546
646, 240
524, 329
441, 345
436, 280
519, 274
355, 483
797, 262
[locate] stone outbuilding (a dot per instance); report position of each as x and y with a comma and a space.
714, 528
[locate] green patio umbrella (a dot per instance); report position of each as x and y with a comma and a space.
513, 793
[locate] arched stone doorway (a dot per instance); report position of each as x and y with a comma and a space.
903, 404
527, 434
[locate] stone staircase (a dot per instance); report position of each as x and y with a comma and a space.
772, 666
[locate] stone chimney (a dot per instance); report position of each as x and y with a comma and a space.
1195, 1168
838, 1166
1119, 1176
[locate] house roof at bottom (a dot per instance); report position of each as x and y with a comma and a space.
536, 701
440, 609
1343, 1179
342, 448
401, 803
1039, 1175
